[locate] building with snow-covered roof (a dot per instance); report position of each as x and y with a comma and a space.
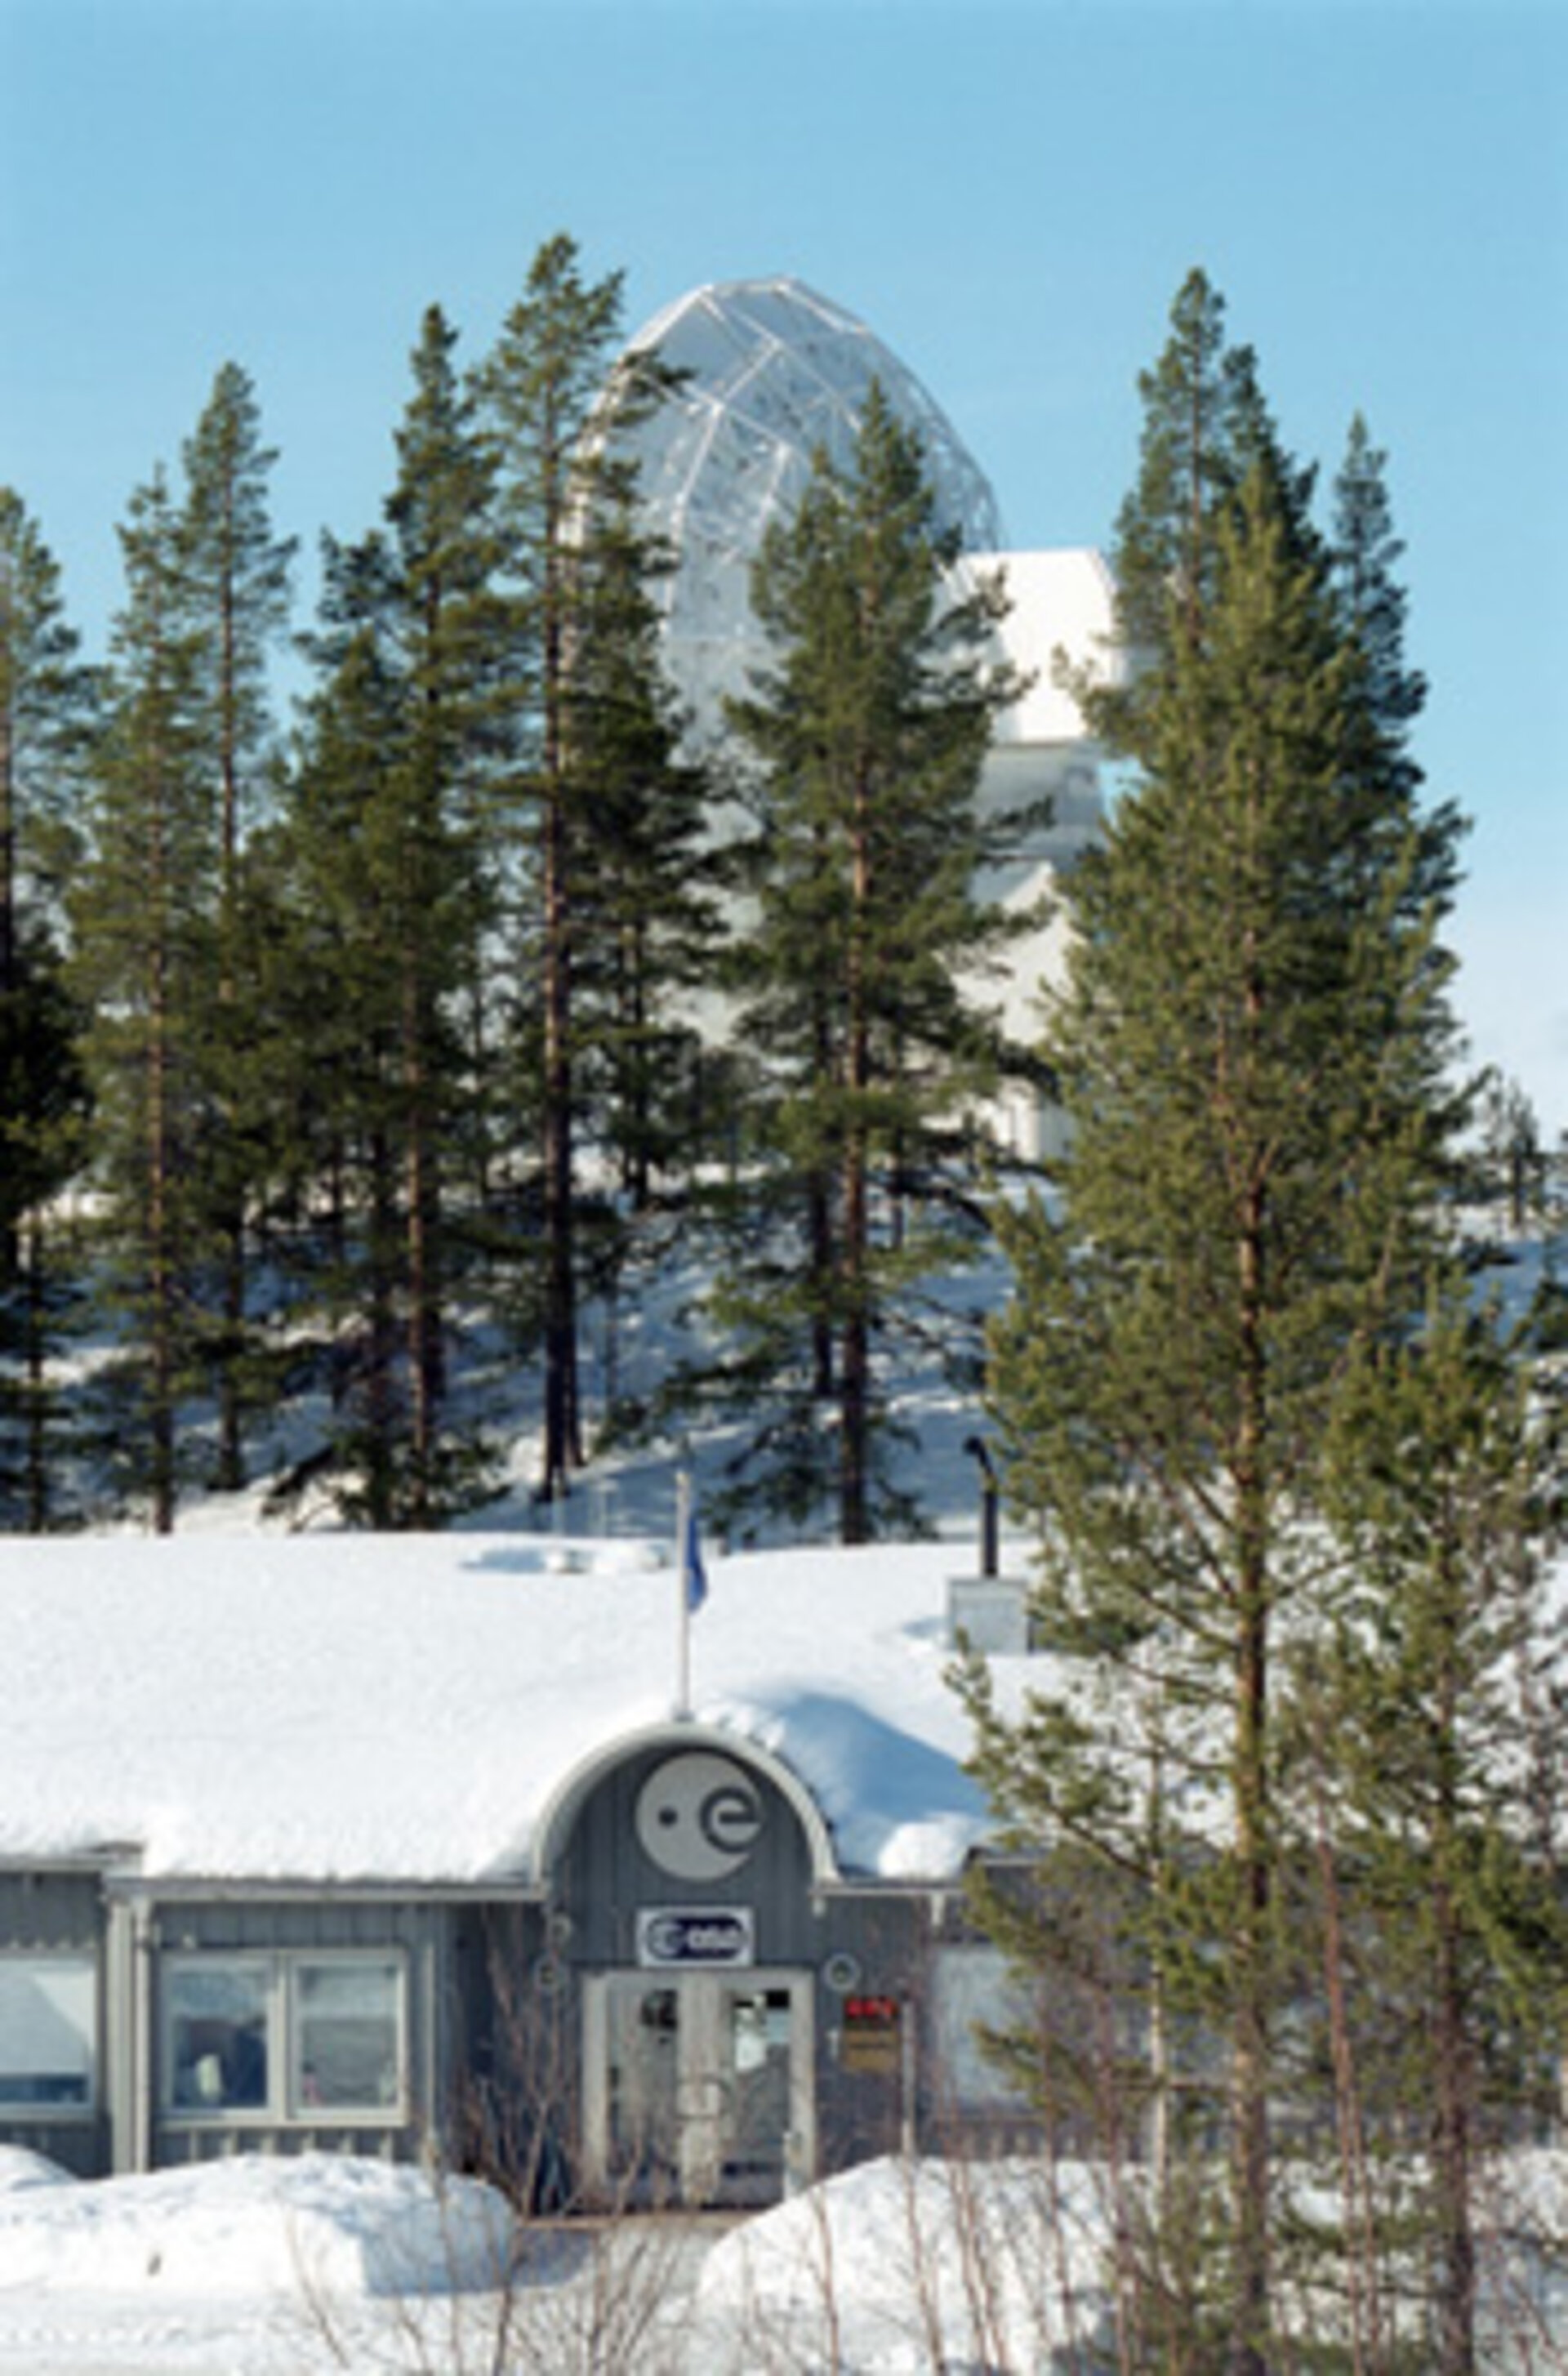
355, 1843
770, 372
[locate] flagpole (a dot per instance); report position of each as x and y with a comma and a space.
682, 1590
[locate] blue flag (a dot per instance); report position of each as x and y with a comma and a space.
696, 1579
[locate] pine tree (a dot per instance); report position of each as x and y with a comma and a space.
383, 856
339, 1015
44, 1122
869, 732
556, 396
142, 930
443, 546
1444, 1486
648, 922
45, 713
236, 590
1204, 427
1251, 1051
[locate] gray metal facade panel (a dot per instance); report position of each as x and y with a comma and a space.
607, 1876
51, 1911
420, 1930
80, 2146
319, 1920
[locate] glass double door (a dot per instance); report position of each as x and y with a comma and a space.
698, 2084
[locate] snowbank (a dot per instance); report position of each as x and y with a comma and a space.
902, 2265
250, 2226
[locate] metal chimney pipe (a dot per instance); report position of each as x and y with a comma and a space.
974, 1447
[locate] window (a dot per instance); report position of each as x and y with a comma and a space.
284, 2036
346, 2035
972, 1988
48, 2033
218, 2015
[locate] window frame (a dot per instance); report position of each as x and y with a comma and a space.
17, 2111
393, 2110
283, 2029
973, 1984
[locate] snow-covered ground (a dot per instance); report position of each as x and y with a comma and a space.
252, 2267
257, 2267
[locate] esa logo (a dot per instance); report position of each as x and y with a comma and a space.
706, 1935
698, 1816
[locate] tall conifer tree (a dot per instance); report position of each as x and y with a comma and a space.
384, 850
649, 924
868, 732
556, 394
1426, 1716
1251, 1048
143, 947
46, 714
338, 1012
236, 590
441, 540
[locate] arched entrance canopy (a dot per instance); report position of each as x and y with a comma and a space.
570, 1795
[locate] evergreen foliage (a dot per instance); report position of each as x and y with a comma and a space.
236, 575
384, 860
1253, 1049
1429, 1725
648, 921
179, 767
598, 822
46, 703
142, 925
44, 1120
46, 699
868, 735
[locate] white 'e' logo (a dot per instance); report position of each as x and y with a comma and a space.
698, 1816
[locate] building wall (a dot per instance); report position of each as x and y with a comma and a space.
853, 1957
141, 2029
288, 1943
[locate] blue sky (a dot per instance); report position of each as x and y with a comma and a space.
1009, 191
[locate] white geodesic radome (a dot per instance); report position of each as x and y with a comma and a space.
775, 372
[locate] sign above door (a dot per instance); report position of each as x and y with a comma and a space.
695, 1938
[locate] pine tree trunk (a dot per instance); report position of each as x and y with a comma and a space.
160, 1349
636, 1130
819, 1214
853, 1389
159, 1164
231, 1217
1451, 2124
8, 1242
381, 1500
35, 1322
8, 854
231, 1400
1251, 2036
563, 1449
819, 1233
426, 1368
1250, 2059
854, 1385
